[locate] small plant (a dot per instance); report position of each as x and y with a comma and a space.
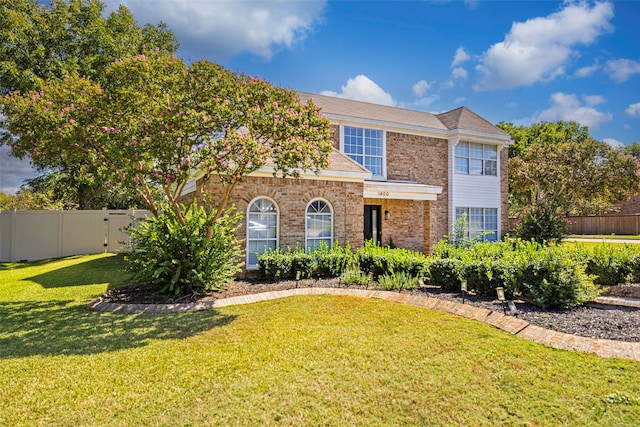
275, 264
543, 225
354, 277
398, 281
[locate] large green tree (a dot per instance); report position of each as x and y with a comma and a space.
560, 167
41, 44
155, 123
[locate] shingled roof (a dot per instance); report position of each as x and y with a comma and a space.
460, 118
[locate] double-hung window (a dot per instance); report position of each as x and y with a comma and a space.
476, 159
482, 222
365, 146
262, 229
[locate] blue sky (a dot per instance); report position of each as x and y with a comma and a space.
513, 61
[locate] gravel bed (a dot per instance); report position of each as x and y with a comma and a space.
608, 322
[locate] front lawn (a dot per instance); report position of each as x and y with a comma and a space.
311, 360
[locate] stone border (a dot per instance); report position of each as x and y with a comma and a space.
513, 325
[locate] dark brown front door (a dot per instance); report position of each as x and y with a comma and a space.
373, 223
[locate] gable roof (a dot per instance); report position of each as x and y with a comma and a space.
461, 118
464, 118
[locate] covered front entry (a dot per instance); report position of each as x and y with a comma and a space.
373, 223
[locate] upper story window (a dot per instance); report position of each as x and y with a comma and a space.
262, 229
365, 146
476, 159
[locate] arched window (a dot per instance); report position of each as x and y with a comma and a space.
262, 229
319, 226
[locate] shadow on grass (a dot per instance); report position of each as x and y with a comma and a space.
50, 328
102, 270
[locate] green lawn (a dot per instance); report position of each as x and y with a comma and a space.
309, 360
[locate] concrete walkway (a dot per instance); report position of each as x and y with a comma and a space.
513, 325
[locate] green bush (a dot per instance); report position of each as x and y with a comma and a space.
182, 259
398, 281
275, 264
377, 260
303, 265
555, 280
446, 273
542, 224
612, 265
332, 262
354, 277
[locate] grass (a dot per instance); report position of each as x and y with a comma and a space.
309, 360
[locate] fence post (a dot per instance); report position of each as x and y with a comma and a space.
12, 244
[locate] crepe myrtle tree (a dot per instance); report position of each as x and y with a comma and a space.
155, 123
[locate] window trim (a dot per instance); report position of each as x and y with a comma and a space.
468, 158
374, 177
277, 239
306, 228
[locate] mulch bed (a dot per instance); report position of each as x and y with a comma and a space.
616, 323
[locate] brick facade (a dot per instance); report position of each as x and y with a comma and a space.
292, 197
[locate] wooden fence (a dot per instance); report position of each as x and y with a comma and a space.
605, 224
34, 235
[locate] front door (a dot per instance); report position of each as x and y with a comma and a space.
372, 223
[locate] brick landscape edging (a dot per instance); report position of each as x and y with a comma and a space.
513, 325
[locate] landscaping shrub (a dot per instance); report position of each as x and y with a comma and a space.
181, 259
446, 273
275, 264
303, 265
377, 260
332, 262
542, 224
555, 280
354, 277
612, 265
398, 281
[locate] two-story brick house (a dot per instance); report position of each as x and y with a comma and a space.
395, 175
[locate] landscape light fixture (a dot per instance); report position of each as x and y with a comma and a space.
463, 288
500, 293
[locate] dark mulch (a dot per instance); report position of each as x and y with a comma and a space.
616, 323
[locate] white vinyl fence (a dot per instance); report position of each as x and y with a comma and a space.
35, 235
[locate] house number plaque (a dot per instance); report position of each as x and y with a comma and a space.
383, 193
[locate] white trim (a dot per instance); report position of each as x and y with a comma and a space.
342, 120
247, 265
306, 212
400, 190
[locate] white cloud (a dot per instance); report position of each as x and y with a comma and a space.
459, 73
539, 49
587, 71
460, 57
593, 99
613, 142
420, 88
620, 70
362, 88
218, 29
427, 101
569, 108
459, 101
633, 110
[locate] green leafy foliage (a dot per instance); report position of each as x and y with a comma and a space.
393, 281
378, 260
542, 223
354, 277
201, 255
275, 264
549, 276
332, 262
